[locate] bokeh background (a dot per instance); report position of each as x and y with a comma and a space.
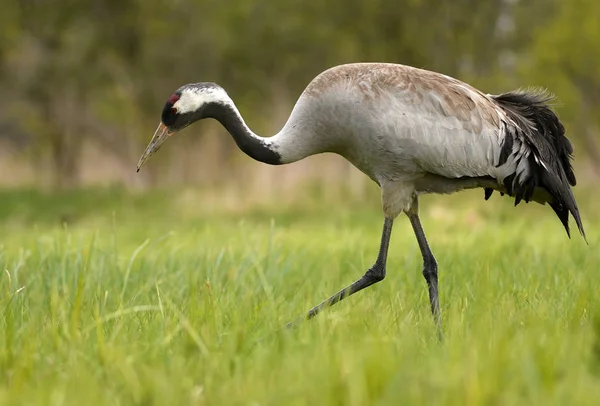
172, 285
83, 82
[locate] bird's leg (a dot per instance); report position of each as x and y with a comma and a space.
430, 268
375, 274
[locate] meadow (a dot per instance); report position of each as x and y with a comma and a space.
114, 298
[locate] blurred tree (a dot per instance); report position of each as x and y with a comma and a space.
83, 72
564, 57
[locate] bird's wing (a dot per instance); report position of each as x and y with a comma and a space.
448, 127
443, 125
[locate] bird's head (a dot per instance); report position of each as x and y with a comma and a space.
188, 104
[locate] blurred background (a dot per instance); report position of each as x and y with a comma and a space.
83, 82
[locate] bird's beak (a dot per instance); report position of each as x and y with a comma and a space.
160, 135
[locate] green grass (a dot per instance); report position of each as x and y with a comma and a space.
143, 300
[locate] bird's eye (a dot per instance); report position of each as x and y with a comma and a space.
174, 110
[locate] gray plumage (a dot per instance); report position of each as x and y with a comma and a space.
412, 131
407, 126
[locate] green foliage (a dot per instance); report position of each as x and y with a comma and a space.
565, 57
139, 307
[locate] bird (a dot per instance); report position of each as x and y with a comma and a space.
413, 132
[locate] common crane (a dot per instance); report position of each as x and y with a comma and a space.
413, 132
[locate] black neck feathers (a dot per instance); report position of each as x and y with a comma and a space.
251, 145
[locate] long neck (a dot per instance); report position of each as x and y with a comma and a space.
256, 147
295, 141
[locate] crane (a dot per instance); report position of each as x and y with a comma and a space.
413, 132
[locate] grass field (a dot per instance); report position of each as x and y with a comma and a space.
112, 299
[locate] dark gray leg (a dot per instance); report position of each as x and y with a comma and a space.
430, 268
375, 274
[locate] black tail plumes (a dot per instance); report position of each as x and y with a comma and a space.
551, 152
